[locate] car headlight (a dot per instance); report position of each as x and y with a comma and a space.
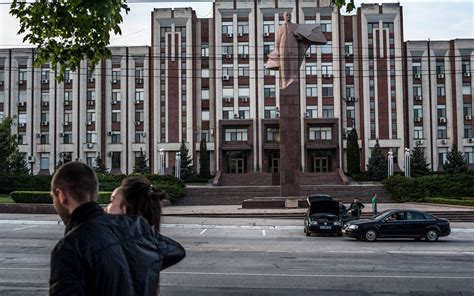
337, 223
353, 226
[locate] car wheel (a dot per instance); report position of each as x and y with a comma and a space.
307, 232
432, 235
370, 235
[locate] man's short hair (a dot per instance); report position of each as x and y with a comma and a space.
78, 180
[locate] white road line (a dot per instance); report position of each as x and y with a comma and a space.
316, 275
202, 232
263, 232
25, 227
30, 222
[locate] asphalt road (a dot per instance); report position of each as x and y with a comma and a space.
262, 257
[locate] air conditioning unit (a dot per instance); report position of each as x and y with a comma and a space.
306, 114
442, 120
1, 83
277, 115
45, 104
90, 145
227, 100
236, 116
68, 81
38, 135
44, 123
138, 122
470, 140
240, 34
21, 104
266, 34
137, 101
114, 102
31, 159
45, 81
327, 75
243, 56
110, 154
61, 135
350, 99
139, 80
468, 117
225, 77
66, 123
440, 76
22, 125
114, 81
90, 79
417, 119
20, 82
228, 56
229, 35
444, 142
144, 134
348, 54
417, 76
420, 142
418, 98
90, 103
308, 54
245, 99
467, 74
110, 133
67, 103
89, 123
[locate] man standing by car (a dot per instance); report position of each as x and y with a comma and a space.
103, 254
356, 208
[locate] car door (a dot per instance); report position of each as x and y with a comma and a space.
416, 224
392, 226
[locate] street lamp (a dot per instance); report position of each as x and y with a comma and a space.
162, 162
407, 162
177, 171
390, 163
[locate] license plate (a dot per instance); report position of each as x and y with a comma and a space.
325, 227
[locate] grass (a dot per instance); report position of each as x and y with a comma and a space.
5, 199
460, 201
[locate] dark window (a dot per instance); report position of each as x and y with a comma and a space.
415, 216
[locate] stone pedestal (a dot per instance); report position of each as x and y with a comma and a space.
290, 141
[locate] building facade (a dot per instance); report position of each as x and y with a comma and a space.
205, 79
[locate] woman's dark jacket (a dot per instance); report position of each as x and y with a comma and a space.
103, 254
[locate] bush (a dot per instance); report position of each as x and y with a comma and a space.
24, 183
42, 197
417, 189
451, 201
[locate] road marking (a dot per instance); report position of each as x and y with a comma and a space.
316, 275
202, 232
23, 268
263, 232
29, 222
25, 227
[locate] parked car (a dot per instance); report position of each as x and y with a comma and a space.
398, 224
322, 216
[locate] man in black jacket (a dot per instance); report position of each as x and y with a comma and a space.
103, 254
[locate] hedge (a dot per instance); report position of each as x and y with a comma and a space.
451, 201
419, 188
42, 197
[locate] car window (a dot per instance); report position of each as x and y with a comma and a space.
397, 216
415, 216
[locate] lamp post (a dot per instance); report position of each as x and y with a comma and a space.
177, 171
162, 162
407, 162
390, 163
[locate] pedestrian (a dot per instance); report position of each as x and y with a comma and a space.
374, 203
103, 254
342, 209
356, 208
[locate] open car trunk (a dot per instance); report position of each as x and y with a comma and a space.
330, 207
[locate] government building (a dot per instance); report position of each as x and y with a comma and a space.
204, 78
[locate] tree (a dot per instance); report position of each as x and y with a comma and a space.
66, 32
12, 162
186, 161
353, 153
377, 167
204, 162
455, 162
99, 166
418, 164
141, 164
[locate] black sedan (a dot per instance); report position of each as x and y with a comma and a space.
399, 224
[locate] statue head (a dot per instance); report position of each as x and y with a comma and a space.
287, 16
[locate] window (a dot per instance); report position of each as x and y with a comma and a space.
21, 118
327, 90
311, 90
139, 73
67, 116
469, 154
417, 90
269, 91
67, 75
468, 131
417, 111
416, 69
139, 95
227, 48
467, 109
2, 96
2, 75
311, 49
236, 135
116, 74
244, 92
328, 111
44, 139
67, 96
272, 134
326, 48
115, 115
140, 115
269, 72
90, 116
205, 115
204, 94
348, 48
205, 50
388, 26
22, 75
268, 27
227, 112
45, 116
116, 96
418, 132
310, 22
44, 161
440, 90
22, 96
442, 132
90, 159
326, 26
227, 28
439, 67
44, 96
415, 216
139, 137
270, 112
350, 92
22, 139
311, 69
326, 69
243, 71
350, 112
312, 111
228, 70
91, 95
44, 73
268, 47
466, 66
116, 138
91, 137
466, 88
442, 155
228, 93
243, 49
244, 112
90, 74
349, 69
320, 133
116, 160
2, 116
371, 27
441, 111
243, 28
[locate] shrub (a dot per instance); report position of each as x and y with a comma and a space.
43, 197
24, 183
451, 201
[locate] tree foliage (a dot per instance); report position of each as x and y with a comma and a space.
348, 4
418, 164
99, 166
67, 31
353, 153
377, 167
141, 164
12, 162
186, 161
204, 161
455, 162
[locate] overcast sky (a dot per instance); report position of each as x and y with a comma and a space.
423, 19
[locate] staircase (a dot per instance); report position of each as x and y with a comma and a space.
269, 179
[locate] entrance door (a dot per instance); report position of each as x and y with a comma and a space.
275, 168
320, 164
237, 166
